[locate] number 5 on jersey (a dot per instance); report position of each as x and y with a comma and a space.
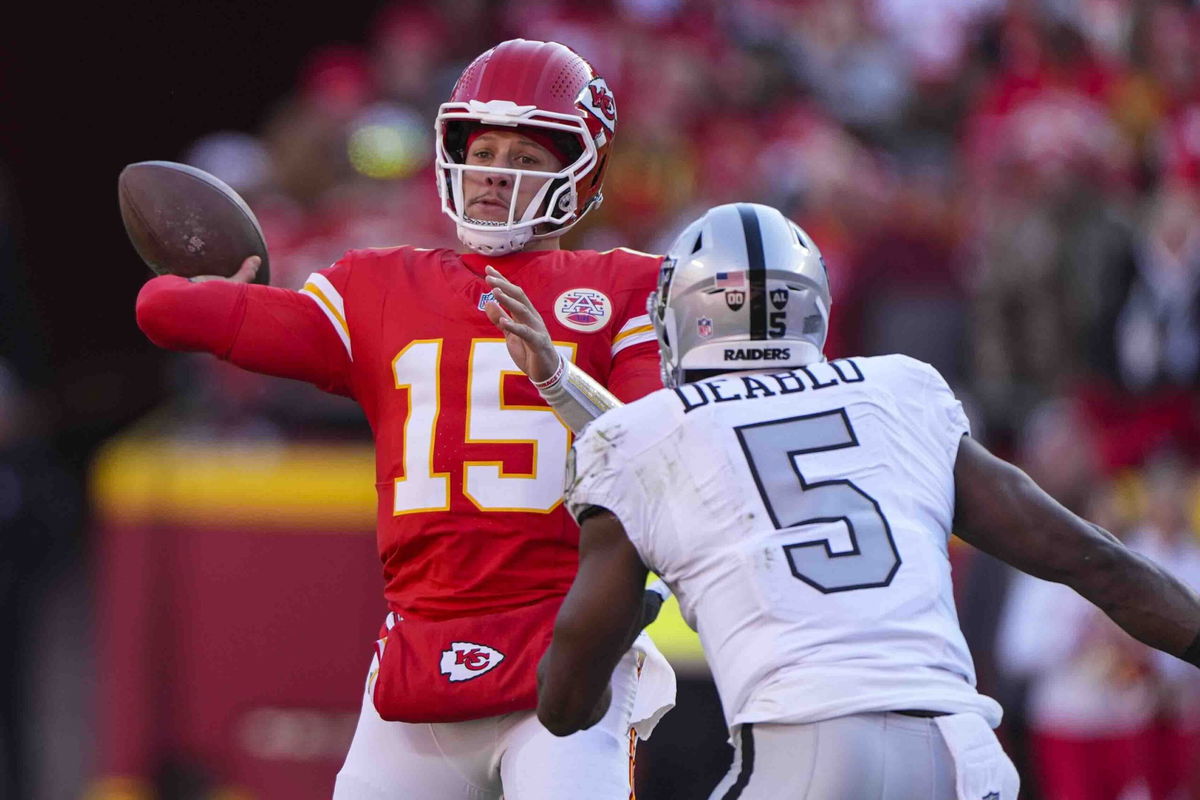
489, 419
772, 449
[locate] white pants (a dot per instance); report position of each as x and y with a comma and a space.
880, 756
510, 755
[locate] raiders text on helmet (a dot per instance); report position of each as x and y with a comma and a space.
524, 83
743, 287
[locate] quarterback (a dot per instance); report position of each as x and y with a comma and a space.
801, 510
476, 547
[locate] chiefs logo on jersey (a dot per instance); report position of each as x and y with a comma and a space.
467, 660
597, 98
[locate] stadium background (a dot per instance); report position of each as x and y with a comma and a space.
1008, 190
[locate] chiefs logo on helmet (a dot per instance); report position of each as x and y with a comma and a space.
604, 101
467, 660
597, 98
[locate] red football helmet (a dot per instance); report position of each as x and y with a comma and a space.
521, 83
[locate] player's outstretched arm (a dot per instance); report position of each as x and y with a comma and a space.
177, 316
1000, 510
260, 328
600, 617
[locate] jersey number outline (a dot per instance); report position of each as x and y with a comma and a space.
488, 419
771, 449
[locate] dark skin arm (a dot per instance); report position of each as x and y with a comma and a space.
599, 619
1001, 511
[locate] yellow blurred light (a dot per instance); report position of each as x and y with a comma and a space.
384, 152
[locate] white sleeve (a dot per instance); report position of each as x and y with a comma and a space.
928, 397
594, 471
599, 474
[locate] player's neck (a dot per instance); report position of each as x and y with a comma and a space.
543, 244
533, 247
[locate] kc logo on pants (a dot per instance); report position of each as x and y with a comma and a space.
467, 660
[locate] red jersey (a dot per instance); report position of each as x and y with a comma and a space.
469, 458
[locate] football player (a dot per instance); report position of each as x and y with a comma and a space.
800, 509
477, 550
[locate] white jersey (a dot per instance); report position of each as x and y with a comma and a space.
802, 519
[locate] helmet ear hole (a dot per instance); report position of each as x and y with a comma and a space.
699, 242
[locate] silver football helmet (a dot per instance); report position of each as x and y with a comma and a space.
743, 287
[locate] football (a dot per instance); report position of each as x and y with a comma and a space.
184, 221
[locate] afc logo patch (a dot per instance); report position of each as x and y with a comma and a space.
585, 310
467, 660
597, 98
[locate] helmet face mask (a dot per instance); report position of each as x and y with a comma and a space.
662, 317
525, 84
741, 288
554, 204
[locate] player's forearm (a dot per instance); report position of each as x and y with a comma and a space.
593, 630
1004, 513
178, 315
576, 397
576, 673
263, 329
1000, 510
1145, 600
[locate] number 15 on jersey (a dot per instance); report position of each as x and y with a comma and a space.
490, 419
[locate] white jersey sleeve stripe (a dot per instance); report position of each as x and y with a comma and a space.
327, 298
633, 325
635, 337
635, 331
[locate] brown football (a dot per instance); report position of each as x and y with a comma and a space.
184, 221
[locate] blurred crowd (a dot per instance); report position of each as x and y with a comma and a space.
1007, 190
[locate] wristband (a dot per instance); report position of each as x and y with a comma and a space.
553, 379
575, 396
1192, 654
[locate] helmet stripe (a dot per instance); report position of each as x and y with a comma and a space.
758, 271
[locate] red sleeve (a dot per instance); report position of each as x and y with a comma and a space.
635, 372
260, 328
635, 366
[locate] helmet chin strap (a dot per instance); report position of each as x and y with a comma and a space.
499, 242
